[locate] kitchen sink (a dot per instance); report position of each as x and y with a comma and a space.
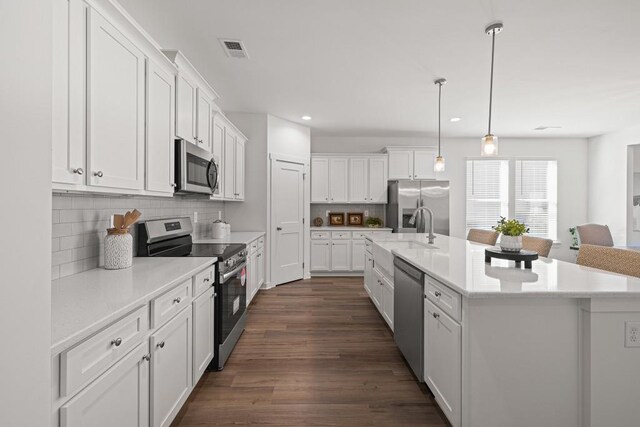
383, 257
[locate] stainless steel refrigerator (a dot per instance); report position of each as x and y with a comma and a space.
406, 196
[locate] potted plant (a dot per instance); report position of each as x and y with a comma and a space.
373, 222
512, 231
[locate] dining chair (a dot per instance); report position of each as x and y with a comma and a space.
615, 260
537, 244
488, 237
595, 234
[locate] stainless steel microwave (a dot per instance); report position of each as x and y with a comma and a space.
196, 170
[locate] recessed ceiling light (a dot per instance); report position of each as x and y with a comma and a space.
455, 119
306, 117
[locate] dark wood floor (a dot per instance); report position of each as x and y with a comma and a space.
315, 352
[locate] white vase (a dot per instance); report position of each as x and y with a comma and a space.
118, 251
511, 243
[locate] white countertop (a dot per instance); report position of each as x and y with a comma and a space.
245, 237
84, 303
460, 264
349, 228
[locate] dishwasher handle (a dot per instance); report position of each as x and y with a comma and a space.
408, 269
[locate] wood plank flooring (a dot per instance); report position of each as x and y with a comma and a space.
314, 352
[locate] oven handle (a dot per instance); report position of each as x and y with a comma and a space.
225, 277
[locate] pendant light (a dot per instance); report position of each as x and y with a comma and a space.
489, 145
438, 164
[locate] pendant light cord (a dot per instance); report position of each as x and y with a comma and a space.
493, 48
439, 107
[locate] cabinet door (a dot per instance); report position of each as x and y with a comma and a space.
357, 255
229, 164
260, 267
69, 59
341, 255
160, 150
369, 280
378, 180
442, 350
338, 180
387, 302
171, 368
423, 164
186, 108
319, 180
203, 327
251, 277
203, 125
120, 397
320, 255
218, 154
359, 180
239, 170
376, 289
115, 104
401, 164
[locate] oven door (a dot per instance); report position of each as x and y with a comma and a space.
233, 299
196, 172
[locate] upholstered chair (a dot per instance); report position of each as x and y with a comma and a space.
595, 234
537, 244
488, 237
622, 261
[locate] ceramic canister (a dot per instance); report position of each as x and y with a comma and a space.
118, 249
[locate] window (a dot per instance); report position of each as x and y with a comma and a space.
525, 189
487, 192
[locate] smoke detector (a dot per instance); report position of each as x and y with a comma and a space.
234, 48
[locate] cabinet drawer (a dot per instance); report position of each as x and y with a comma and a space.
253, 247
320, 234
170, 303
89, 359
261, 242
444, 298
359, 235
203, 280
341, 235
367, 245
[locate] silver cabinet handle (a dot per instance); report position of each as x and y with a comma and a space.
436, 315
79, 171
206, 279
173, 184
177, 300
279, 228
99, 174
116, 342
160, 344
146, 357
437, 293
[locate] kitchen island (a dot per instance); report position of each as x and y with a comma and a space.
505, 346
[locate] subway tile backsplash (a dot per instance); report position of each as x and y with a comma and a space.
320, 210
80, 223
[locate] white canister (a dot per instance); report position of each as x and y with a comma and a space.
218, 230
118, 249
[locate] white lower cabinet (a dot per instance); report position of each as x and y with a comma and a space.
387, 301
320, 255
442, 364
340, 251
261, 265
357, 255
203, 327
340, 255
368, 273
255, 268
379, 287
120, 397
376, 289
171, 365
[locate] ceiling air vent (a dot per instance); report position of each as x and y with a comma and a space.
234, 48
547, 127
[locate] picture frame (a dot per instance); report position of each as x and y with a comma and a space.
355, 219
336, 218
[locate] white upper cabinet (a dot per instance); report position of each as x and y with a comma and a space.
231, 142
349, 179
229, 165
116, 113
160, 131
218, 154
239, 169
319, 180
204, 109
338, 180
186, 93
411, 163
69, 59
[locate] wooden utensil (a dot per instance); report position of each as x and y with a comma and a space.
118, 221
127, 220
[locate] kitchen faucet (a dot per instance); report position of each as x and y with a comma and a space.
421, 224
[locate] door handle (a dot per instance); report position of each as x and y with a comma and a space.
279, 228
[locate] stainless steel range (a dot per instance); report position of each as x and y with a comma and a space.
172, 238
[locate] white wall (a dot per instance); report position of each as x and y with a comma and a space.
25, 174
571, 155
610, 183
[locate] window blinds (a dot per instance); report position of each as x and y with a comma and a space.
536, 196
487, 192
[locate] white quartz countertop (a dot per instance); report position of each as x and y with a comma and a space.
349, 228
85, 303
245, 237
460, 264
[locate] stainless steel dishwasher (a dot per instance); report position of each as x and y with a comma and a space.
408, 320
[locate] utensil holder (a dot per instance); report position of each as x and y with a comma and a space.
118, 249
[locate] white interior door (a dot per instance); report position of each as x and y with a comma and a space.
287, 212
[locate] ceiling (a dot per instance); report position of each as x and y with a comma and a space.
366, 67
